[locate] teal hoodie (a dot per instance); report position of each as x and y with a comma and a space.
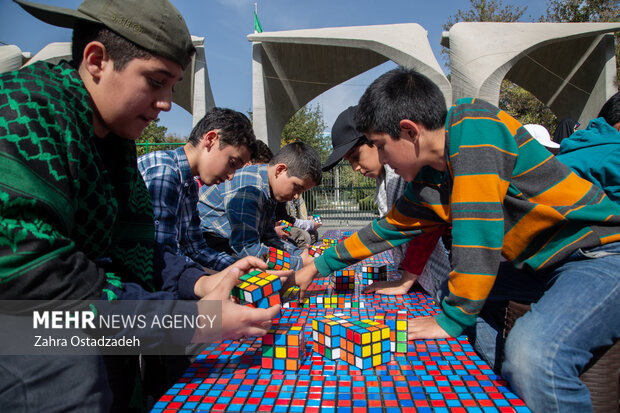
594, 154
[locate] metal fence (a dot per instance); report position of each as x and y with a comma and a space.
344, 198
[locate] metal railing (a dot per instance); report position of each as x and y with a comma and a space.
344, 197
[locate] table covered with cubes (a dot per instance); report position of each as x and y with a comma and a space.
341, 350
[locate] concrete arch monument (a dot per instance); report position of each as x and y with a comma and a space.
290, 68
570, 67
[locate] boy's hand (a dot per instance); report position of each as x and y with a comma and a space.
280, 231
396, 287
306, 258
237, 320
206, 283
303, 278
425, 328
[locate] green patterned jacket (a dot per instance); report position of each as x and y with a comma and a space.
68, 200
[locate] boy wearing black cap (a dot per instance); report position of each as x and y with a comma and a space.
409, 258
77, 221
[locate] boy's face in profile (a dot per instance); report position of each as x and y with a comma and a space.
220, 162
127, 101
286, 188
365, 160
401, 154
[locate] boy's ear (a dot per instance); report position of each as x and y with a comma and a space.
409, 130
209, 139
280, 169
95, 58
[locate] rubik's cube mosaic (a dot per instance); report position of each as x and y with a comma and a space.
315, 250
373, 273
326, 333
343, 280
287, 226
278, 259
256, 285
441, 375
329, 242
398, 323
365, 343
284, 347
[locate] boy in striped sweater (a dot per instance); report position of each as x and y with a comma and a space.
477, 169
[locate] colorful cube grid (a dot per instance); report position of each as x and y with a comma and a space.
278, 259
256, 285
317, 219
346, 234
266, 302
315, 250
284, 347
343, 280
287, 226
397, 322
365, 343
320, 299
326, 333
373, 273
329, 242
442, 375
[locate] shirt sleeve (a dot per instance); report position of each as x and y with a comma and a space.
246, 215
406, 220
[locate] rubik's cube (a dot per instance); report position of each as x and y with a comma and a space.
317, 219
373, 273
266, 302
326, 335
278, 259
315, 250
347, 234
328, 242
284, 347
287, 226
343, 280
365, 343
256, 285
397, 322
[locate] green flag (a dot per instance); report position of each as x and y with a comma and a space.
257, 27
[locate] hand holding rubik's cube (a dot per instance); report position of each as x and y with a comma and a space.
287, 226
258, 289
317, 219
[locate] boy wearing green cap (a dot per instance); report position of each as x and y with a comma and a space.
76, 217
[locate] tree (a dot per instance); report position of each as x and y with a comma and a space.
308, 126
155, 133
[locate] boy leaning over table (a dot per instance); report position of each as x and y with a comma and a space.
76, 218
505, 195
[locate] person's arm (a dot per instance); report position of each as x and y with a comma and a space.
251, 227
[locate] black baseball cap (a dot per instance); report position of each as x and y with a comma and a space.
155, 25
344, 137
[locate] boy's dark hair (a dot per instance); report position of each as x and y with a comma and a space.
121, 50
234, 128
302, 161
261, 153
611, 110
396, 95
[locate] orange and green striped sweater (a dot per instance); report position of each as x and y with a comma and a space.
504, 194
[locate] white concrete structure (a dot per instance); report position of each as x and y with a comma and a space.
193, 93
570, 67
290, 68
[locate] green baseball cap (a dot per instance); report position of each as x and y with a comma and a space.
155, 25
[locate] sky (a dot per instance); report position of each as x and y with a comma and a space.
225, 24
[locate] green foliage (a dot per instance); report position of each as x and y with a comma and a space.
155, 133
307, 125
524, 106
